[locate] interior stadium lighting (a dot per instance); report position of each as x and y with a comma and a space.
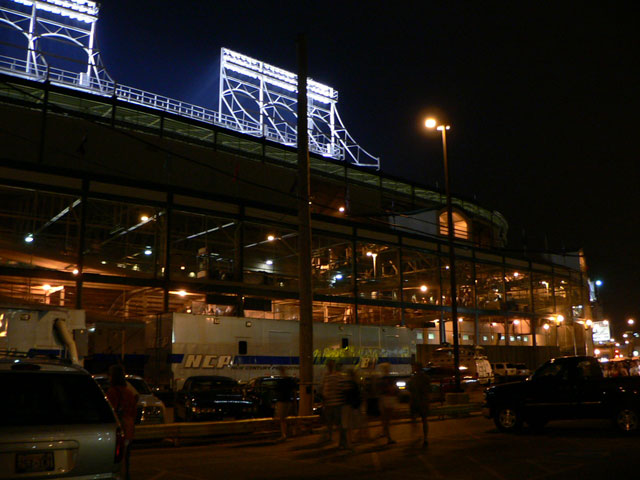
29, 238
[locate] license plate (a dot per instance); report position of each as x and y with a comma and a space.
34, 462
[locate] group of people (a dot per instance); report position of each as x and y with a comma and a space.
621, 369
348, 401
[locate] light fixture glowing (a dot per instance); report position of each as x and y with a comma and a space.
598, 283
182, 267
103, 262
516, 274
423, 288
271, 238
338, 277
192, 274
596, 352
341, 209
269, 262
76, 271
460, 319
46, 288
144, 218
631, 321
560, 318
545, 326
516, 322
494, 324
430, 123
148, 252
29, 238
182, 293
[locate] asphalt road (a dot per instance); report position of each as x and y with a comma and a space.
467, 448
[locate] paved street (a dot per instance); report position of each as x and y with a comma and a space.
468, 448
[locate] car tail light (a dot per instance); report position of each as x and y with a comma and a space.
119, 446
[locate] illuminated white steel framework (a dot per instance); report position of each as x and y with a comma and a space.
261, 99
255, 98
73, 21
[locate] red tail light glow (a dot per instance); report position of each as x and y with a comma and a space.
119, 445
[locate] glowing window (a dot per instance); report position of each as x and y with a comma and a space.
460, 226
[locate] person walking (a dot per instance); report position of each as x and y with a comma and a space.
388, 400
332, 401
419, 392
285, 396
123, 399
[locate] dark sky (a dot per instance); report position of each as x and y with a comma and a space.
542, 98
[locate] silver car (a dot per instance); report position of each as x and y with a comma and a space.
55, 423
150, 409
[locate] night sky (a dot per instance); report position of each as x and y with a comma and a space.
542, 100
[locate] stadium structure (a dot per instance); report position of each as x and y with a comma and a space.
128, 205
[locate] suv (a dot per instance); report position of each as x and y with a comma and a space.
503, 369
55, 422
150, 409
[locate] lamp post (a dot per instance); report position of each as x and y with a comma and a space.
432, 123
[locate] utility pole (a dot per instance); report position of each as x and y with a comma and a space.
304, 235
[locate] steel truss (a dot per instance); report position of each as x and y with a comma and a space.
255, 98
260, 99
71, 21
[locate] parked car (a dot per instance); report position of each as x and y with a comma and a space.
473, 363
55, 422
150, 409
504, 369
262, 392
210, 397
522, 370
565, 388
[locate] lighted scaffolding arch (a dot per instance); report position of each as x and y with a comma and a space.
71, 21
260, 99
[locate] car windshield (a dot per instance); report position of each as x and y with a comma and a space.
203, 384
37, 398
140, 385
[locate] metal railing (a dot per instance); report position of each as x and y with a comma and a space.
136, 96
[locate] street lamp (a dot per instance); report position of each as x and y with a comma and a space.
432, 123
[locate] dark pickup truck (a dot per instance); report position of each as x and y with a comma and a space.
565, 388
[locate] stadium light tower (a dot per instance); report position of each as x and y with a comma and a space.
432, 123
72, 22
